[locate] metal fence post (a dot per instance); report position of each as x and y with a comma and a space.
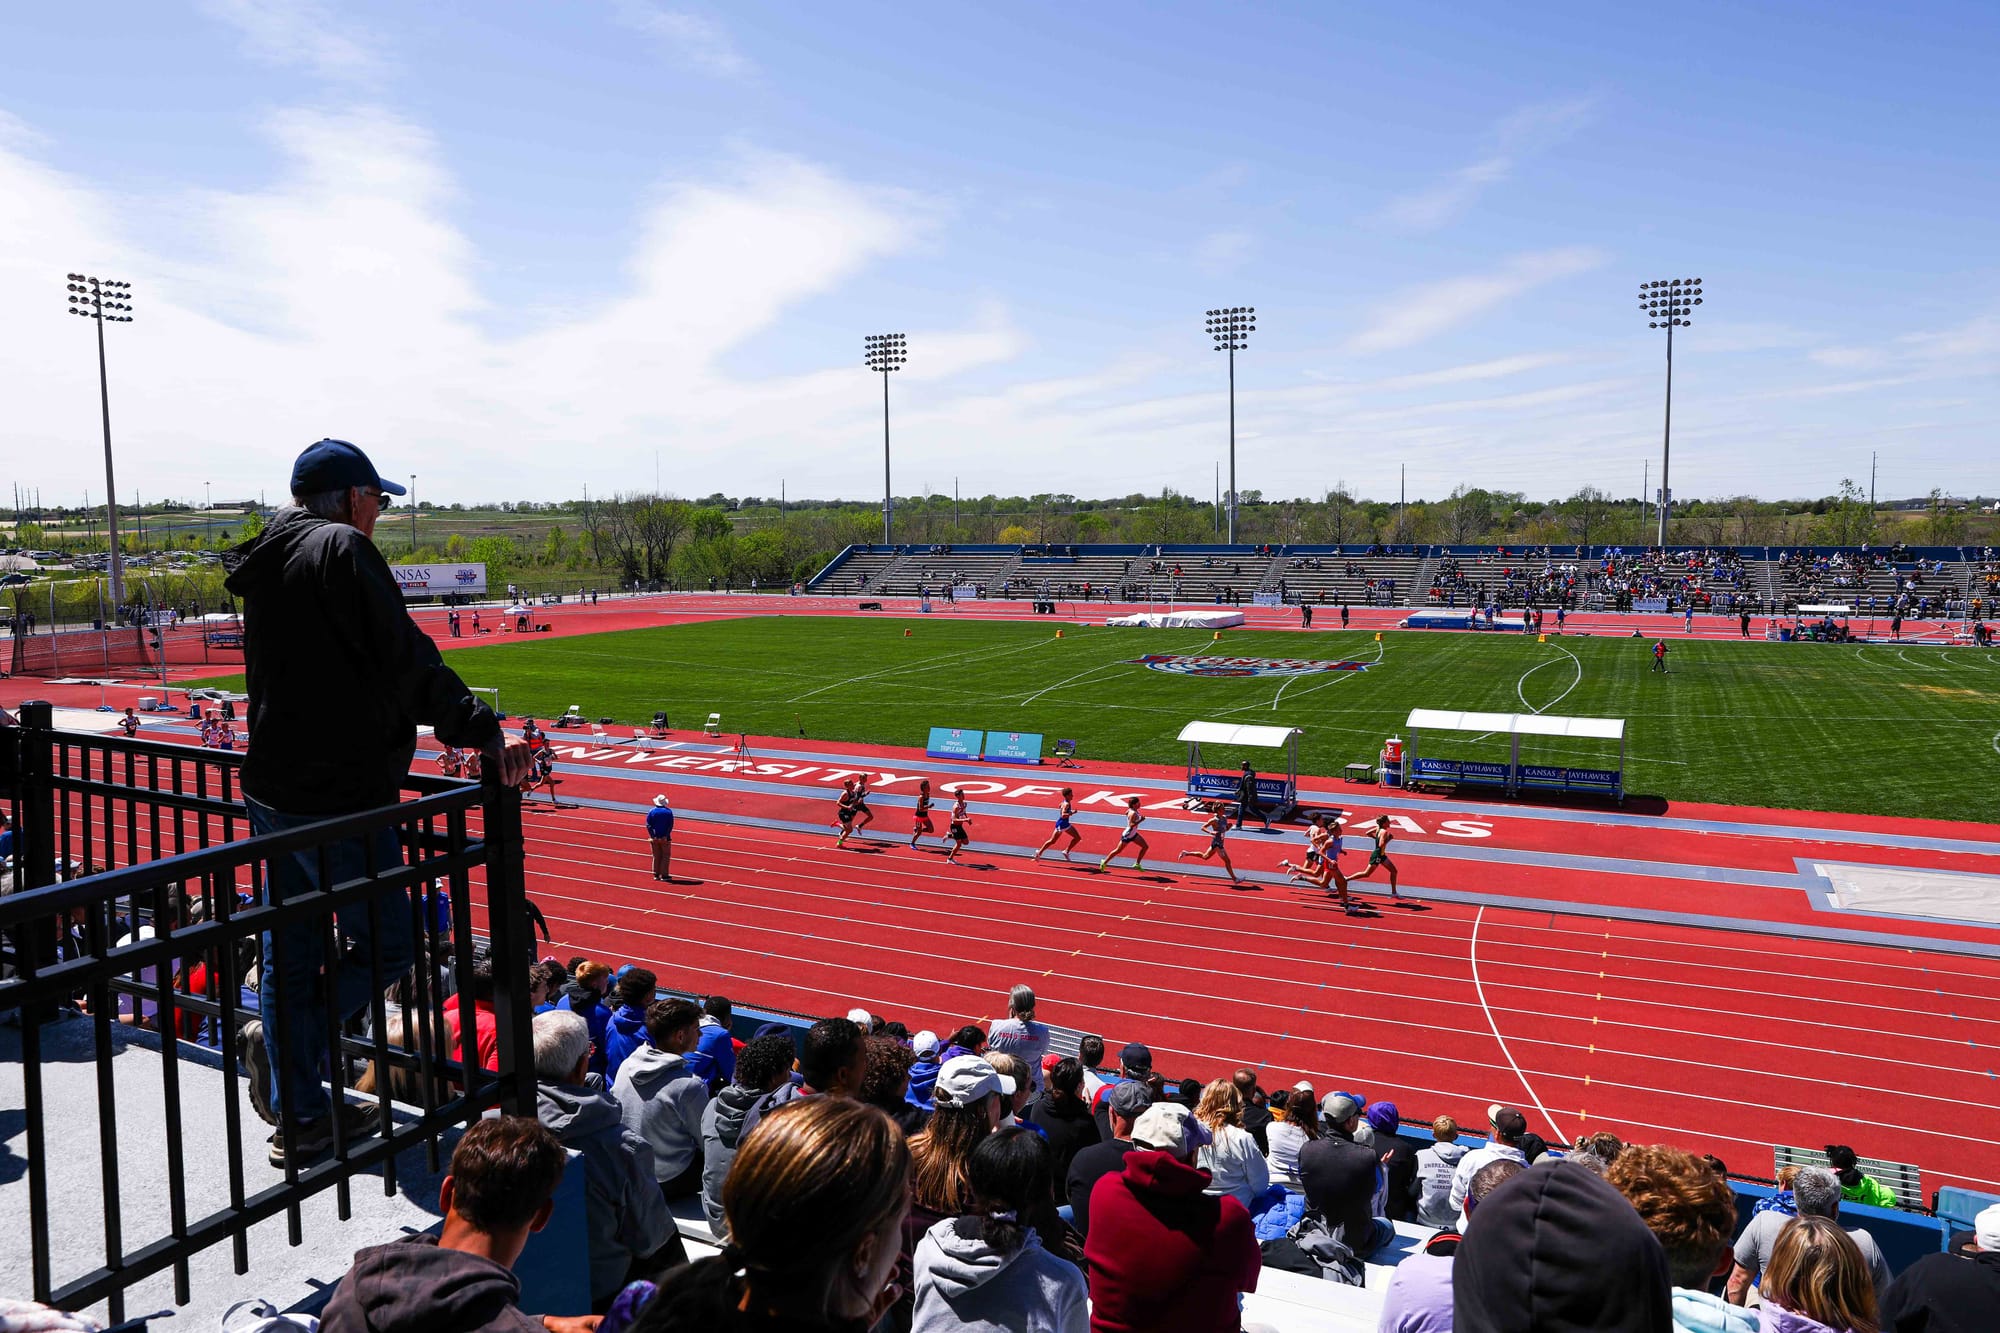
513, 938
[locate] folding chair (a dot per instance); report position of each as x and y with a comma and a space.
712, 727
1065, 754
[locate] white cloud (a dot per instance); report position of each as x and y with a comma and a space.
1515, 139
1423, 312
687, 38
1221, 253
303, 33
1497, 368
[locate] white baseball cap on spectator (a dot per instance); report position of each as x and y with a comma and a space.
1171, 1127
966, 1079
925, 1042
1986, 1228
862, 1019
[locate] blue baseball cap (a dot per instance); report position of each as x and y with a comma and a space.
335, 465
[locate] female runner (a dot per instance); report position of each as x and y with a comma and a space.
1129, 836
955, 833
1065, 826
1214, 828
921, 824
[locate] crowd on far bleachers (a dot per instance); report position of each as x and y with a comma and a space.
861, 1176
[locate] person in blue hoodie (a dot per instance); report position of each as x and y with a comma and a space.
626, 1032
714, 1057
923, 1074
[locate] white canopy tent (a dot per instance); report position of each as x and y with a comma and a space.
1513, 775
1826, 609
1280, 796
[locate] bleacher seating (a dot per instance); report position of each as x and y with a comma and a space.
920, 571
1202, 576
853, 575
1326, 578
1065, 578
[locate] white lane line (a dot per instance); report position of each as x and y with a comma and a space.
1338, 676
1204, 646
1494, 1024
925, 665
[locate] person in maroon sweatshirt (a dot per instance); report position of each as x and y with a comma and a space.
1165, 1257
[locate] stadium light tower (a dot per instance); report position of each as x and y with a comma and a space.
100, 299
1231, 329
1669, 304
885, 352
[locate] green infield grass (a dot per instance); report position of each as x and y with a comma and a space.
1879, 730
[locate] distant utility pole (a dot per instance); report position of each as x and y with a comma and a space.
954, 509
100, 299
883, 353
1668, 304
1871, 485
413, 516
1402, 499
1231, 329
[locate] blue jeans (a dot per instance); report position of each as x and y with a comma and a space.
299, 1055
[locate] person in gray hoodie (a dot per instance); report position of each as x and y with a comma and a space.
632, 1235
1435, 1167
761, 1067
501, 1189
661, 1098
987, 1271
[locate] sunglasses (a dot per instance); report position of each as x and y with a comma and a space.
382, 498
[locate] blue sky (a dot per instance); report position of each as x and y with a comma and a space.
519, 249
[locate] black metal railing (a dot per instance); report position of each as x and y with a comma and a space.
139, 896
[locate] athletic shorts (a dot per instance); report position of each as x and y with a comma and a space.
924, 822
1376, 858
958, 833
1215, 844
1127, 836
1062, 825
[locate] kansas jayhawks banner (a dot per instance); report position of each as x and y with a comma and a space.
1187, 664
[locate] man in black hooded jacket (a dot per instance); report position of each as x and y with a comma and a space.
339, 677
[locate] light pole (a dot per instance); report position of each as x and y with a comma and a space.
413, 516
1231, 329
1668, 304
100, 299
885, 352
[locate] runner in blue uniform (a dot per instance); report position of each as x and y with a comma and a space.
1065, 826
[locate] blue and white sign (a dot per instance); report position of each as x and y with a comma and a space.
1014, 747
1222, 787
954, 743
438, 580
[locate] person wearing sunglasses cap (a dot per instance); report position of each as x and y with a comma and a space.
339, 677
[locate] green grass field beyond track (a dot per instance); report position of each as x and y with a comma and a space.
1878, 730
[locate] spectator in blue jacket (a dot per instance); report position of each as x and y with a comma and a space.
626, 1033
660, 832
714, 1055
923, 1074
585, 995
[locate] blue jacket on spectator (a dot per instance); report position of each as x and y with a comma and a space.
595, 1015
624, 1034
713, 1059
659, 822
923, 1082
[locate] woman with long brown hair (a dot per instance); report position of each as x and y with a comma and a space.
815, 1203
1290, 1130
1231, 1159
1817, 1281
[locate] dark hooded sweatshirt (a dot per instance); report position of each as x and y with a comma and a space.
339, 675
416, 1286
1557, 1250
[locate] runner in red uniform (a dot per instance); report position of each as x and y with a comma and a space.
921, 823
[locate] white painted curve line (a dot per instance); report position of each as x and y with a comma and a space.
1996, 742
1198, 650
925, 665
1493, 1024
1338, 676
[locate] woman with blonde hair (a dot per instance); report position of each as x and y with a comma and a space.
1817, 1281
815, 1201
1234, 1165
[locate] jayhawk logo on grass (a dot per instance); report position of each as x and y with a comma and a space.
1184, 664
